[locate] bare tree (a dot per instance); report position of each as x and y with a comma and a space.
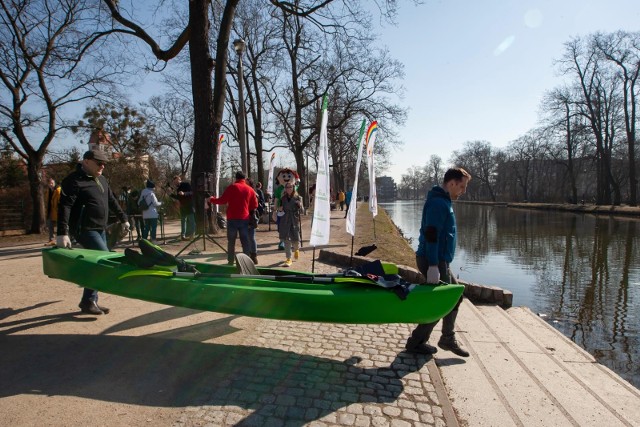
600, 106
208, 99
562, 118
479, 158
53, 55
172, 119
623, 50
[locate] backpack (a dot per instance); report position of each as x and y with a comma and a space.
142, 203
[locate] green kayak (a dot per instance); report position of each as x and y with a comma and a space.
264, 292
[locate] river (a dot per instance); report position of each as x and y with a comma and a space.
580, 272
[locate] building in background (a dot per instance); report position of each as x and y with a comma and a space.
386, 188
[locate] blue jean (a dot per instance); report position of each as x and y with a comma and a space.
97, 240
50, 226
150, 227
187, 225
237, 227
253, 245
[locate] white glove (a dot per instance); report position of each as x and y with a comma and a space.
63, 241
433, 274
126, 227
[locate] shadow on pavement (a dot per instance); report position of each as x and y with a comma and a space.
159, 372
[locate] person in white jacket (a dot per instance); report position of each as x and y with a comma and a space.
150, 215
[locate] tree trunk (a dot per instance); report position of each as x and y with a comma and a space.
633, 180
208, 111
38, 219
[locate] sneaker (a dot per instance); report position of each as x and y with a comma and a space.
451, 344
287, 263
422, 349
296, 254
90, 307
281, 246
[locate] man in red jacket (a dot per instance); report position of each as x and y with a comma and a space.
242, 202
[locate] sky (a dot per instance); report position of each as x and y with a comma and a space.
478, 69
474, 69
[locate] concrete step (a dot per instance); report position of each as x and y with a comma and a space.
522, 372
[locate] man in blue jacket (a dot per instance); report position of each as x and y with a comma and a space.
436, 248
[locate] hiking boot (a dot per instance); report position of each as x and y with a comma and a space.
422, 349
90, 307
296, 254
451, 344
287, 263
105, 310
281, 246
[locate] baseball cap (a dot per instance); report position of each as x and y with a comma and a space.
96, 155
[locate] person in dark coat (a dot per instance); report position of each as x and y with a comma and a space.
184, 196
83, 210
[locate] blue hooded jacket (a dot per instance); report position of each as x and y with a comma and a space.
437, 241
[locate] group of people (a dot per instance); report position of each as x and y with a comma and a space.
83, 201
142, 208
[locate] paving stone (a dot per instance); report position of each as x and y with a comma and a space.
391, 411
346, 419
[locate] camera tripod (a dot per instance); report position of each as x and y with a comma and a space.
202, 190
204, 236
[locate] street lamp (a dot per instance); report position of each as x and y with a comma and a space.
238, 46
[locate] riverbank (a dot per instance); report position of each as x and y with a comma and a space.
567, 207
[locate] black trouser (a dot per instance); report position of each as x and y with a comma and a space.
422, 332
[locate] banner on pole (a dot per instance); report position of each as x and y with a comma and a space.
272, 165
322, 209
218, 165
351, 214
371, 139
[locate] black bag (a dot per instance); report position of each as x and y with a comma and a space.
142, 202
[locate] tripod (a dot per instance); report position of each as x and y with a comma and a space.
204, 185
204, 236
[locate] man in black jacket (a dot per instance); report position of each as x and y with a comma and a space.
83, 211
184, 195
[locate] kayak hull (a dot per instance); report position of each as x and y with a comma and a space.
344, 300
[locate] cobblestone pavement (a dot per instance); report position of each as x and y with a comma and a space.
296, 373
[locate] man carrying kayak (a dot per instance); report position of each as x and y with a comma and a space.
83, 211
436, 248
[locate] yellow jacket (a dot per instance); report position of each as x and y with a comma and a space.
53, 207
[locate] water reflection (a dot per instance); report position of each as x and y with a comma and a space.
580, 270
